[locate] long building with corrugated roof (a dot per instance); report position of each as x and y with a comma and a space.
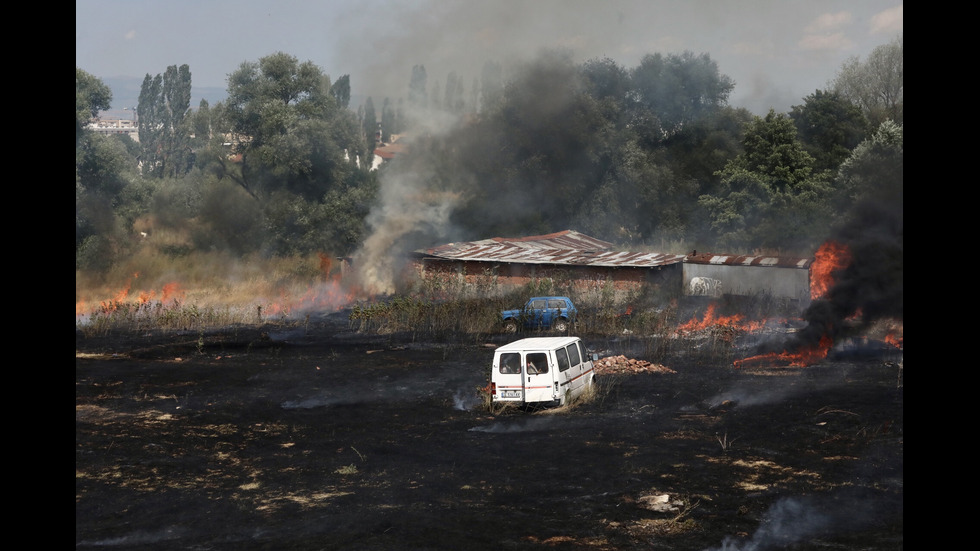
587, 263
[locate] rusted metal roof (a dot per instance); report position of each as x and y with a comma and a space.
568, 248
747, 260
568, 239
571, 248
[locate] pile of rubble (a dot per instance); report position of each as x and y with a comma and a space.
622, 364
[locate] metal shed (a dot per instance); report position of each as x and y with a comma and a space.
589, 262
584, 261
707, 274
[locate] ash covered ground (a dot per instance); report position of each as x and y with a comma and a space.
316, 437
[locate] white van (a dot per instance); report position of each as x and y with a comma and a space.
545, 371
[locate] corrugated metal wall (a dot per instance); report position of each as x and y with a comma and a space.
779, 282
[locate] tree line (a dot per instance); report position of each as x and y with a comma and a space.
651, 155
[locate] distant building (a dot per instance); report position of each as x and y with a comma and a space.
388, 152
589, 264
111, 126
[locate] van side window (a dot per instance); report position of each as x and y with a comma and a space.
563, 364
537, 362
510, 362
573, 355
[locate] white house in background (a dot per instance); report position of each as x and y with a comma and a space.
108, 127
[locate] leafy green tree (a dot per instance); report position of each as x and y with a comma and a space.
703, 147
340, 90
164, 106
292, 146
876, 85
607, 80
875, 170
673, 90
772, 150
91, 96
769, 196
280, 112
829, 127
105, 203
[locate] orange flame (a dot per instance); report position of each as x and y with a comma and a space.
830, 257
801, 358
169, 292
898, 341
711, 320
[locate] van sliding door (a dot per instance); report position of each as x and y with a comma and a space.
538, 383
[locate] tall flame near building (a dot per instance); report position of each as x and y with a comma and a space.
830, 257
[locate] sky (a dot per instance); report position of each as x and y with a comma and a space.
776, 51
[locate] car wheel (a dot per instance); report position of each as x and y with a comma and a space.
560, 325
510, 326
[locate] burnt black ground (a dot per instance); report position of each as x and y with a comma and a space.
319, 438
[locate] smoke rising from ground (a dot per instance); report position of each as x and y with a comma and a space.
410, 212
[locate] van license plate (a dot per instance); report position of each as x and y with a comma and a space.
510, 394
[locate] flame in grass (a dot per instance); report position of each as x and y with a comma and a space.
801, 358
121, 299
711, 319
327, 294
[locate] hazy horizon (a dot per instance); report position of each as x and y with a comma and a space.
777, 52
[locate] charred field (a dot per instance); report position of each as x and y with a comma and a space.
317, 437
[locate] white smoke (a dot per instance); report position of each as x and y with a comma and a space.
412, 211
794, 520
787, 522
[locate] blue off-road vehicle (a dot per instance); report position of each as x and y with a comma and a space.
556, 313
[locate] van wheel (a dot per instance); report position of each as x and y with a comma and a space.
561, 325
510, 326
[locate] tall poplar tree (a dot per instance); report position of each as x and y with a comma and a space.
164, 104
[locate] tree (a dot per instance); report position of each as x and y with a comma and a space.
370, 124
91, 96
103, 172
677, 89
874, 173
295, 147
769, 196
771, 150
417, 86
387, 121
340, 90
164, 104
875, 85
454, 102
280, 112
829, 127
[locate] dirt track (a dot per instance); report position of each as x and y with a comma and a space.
317, 438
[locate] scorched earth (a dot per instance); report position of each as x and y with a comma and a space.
316, 437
